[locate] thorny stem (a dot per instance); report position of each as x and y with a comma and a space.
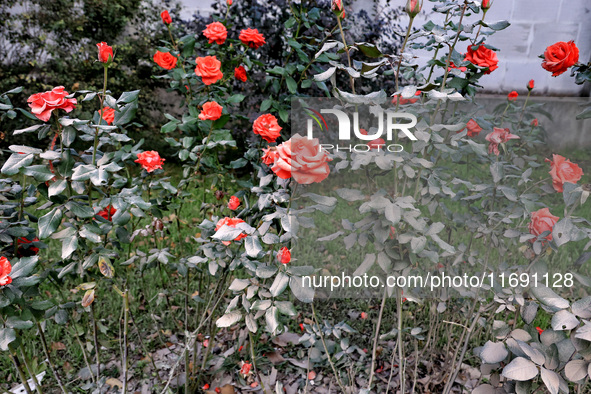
96, 343
347, 52
48, 357
451, 49
402, 53
125, 330
254, 365
187, 373
523, 109
400, 344
21, 374
29, 370
375, 339
437, 50
85, 357
102, 100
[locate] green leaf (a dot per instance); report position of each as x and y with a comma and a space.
7, 336
126, 114
369, 50
236, 98
291, 85
279, 284
49, 222
128, 97
23, 267
15, 162
80, 210
18, 324
228, 319
41, 173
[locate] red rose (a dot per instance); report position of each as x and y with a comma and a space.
150, 160
284, 255
267, 127
486, 5
534, 123
252, 38
166, 19
560, 57
240, 73
232, 222
406, 101
542, 221
107, 213
42, 104
269, 155
108, 115
364, 315
165, 60
473, 128
512, 96
216, 32
234, 203
499, 136
208, 68
539, 330
562, 170
211, 111
5, 269
30, 250
530, 84
483, 57
303, 159
105, 52
229, 2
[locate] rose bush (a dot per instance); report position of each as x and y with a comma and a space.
230, 283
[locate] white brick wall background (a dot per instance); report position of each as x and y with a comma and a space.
535, 24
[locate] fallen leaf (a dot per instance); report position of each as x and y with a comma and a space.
114, 382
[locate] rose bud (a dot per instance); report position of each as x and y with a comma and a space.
105, 53
534, 123
219, 194
234, 203
512, 96
413, 7
166, 19
284, 255
530, 84
486, 5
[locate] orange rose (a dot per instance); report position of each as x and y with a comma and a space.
211, 111
107, 213
542, 221
374, 144
232, 222
284, 255
216, 32
252, 38
240, 73
512, 96
499, 136
208, 68
105, 52
42, 104
5, 269
560, 57
406, 101
108, 115
473, 128
166, 19
267, 127
303, 159
234, 203
483, 57
150, 160
562, 170
269, 155
165, 60
29, 249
